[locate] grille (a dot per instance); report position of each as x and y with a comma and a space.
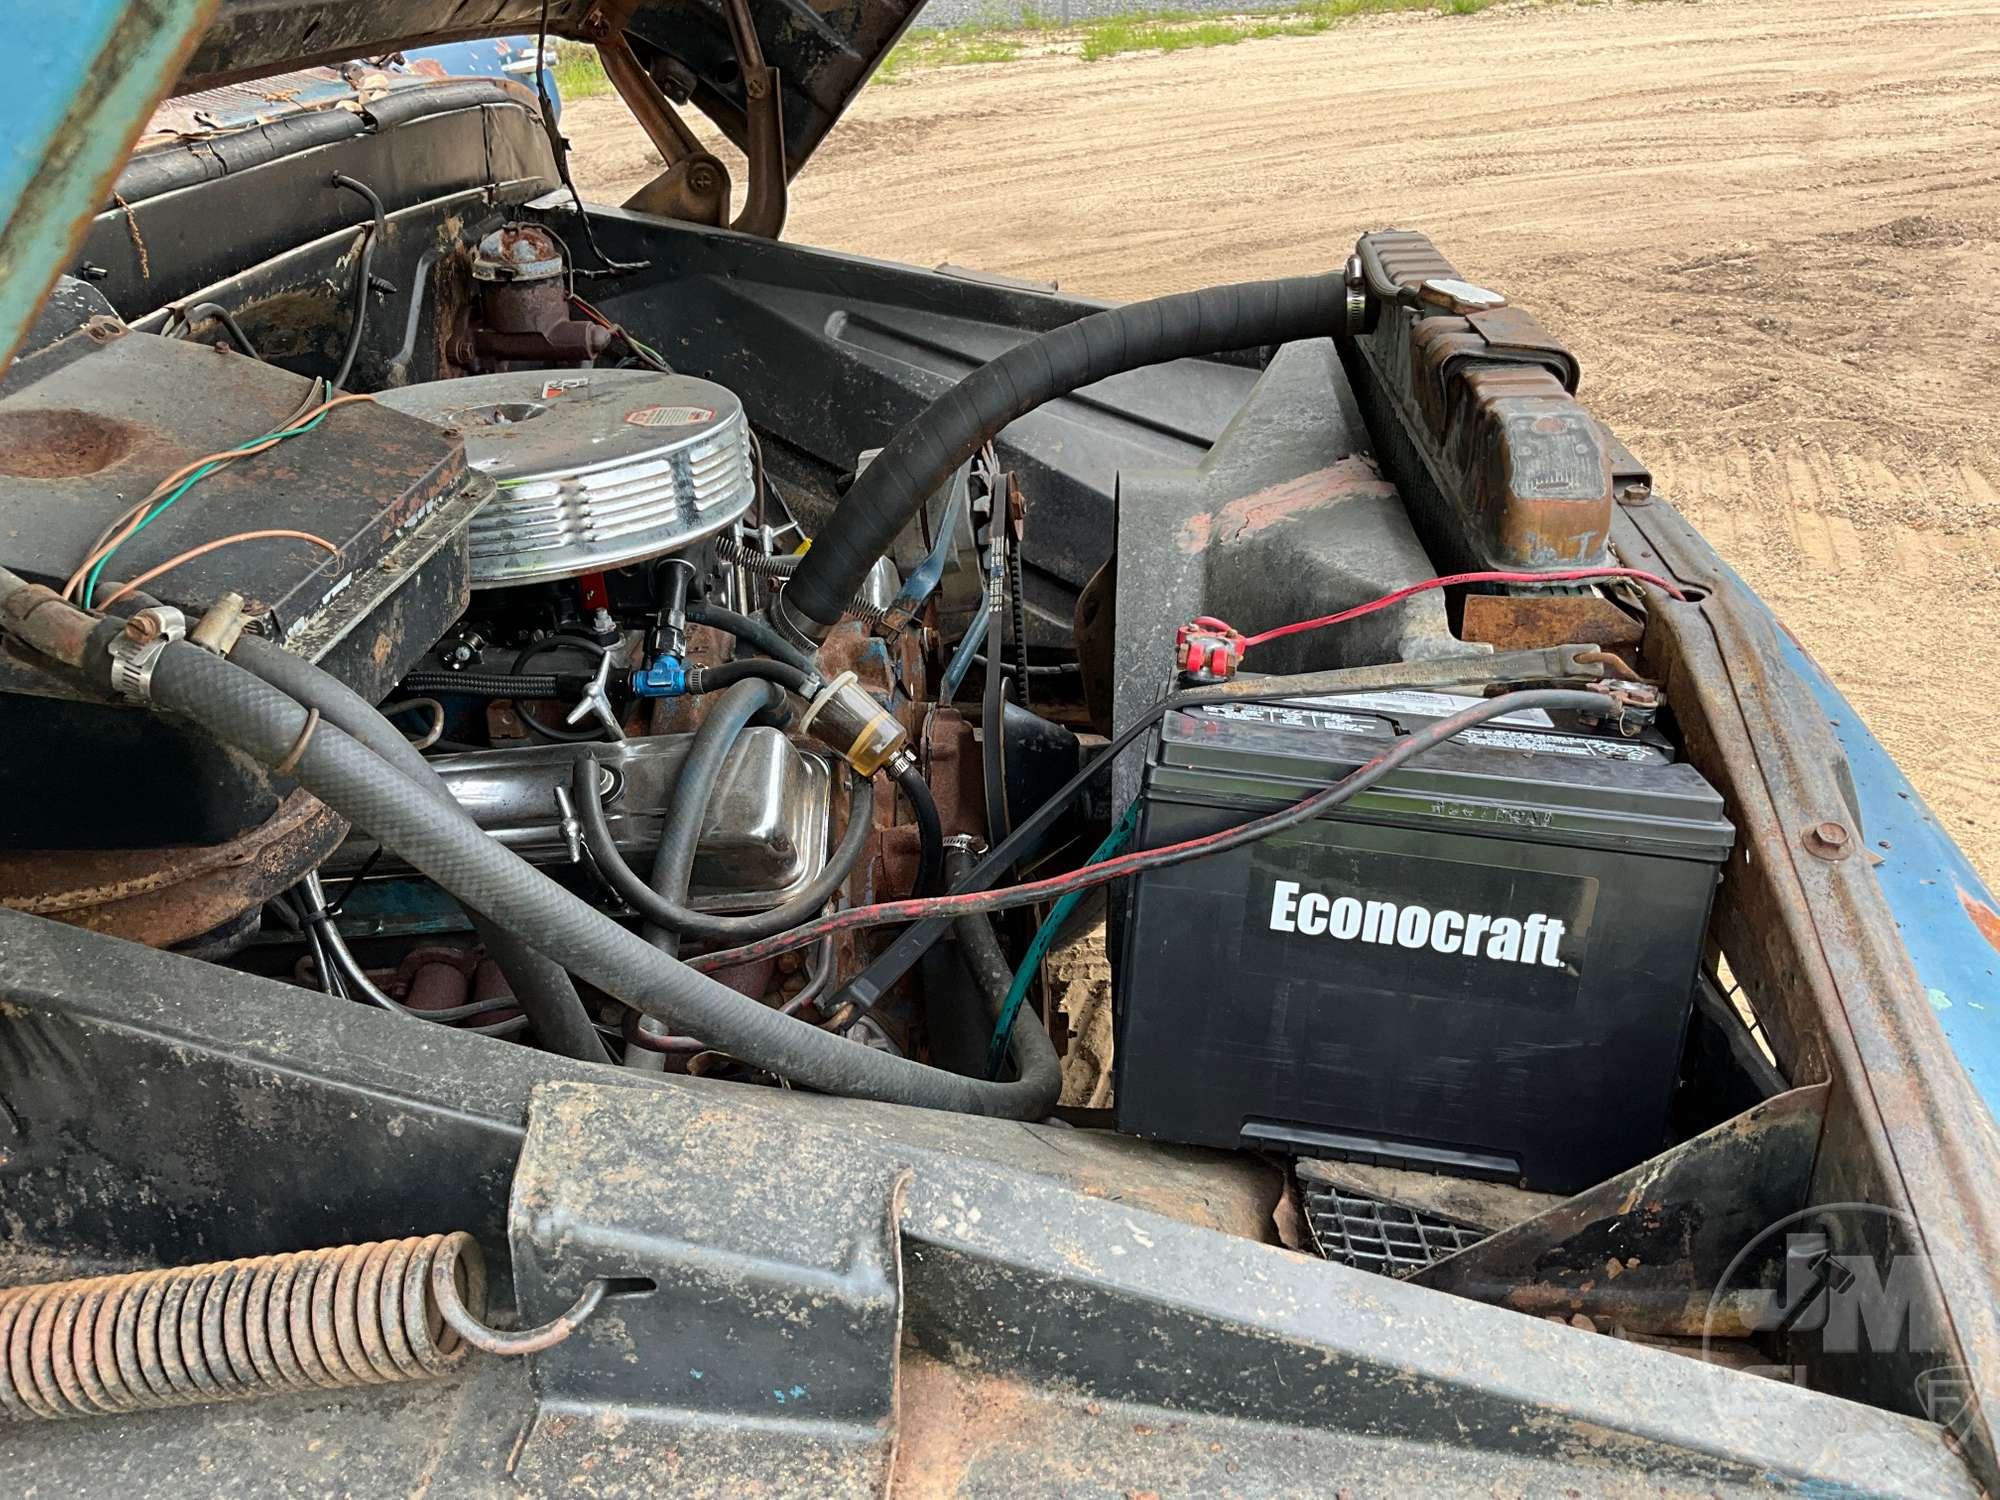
596, 470
1373, 1235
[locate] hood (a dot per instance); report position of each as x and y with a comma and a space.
823, 51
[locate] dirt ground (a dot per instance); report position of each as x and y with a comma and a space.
1770, 229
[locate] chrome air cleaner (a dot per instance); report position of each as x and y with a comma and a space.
597, 468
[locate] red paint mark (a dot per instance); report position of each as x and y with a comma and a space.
1350, 478
1984, 917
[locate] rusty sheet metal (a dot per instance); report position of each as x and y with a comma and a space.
1509, 622
161, 897
1519, 475
1646, 1250
1058, 1342
1821, 957
231, 107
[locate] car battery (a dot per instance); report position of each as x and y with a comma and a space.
1482, 965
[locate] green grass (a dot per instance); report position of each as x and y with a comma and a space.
999, 37
1173, 32
579, 74
954, 47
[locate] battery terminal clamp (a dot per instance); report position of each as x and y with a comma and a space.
1207, 650
1633, 706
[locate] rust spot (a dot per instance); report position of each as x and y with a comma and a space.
1509, 622
1280, 503
1984, 917
61, 442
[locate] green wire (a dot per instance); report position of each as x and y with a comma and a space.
1044, 939
90, 579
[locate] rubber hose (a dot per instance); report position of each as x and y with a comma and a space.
750, 631
569, 685
555, 1010
744, 928
556, 734
920, 458
783, 673
984, 956
234, 707
673, 863
930, 832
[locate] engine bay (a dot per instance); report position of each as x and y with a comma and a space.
554, 557
546, 537
1224, 731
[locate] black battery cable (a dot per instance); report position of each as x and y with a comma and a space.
971, 899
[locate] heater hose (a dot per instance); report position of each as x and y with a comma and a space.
923, 455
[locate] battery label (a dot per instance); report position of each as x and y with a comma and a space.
1293, 716
1290, 717
1431, 706
1562, 744
1414, 927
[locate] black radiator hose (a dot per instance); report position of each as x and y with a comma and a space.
234, 707
548, 999
925, 452
994, 976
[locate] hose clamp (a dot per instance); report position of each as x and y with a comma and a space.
1355, 281
135, 652
801, 631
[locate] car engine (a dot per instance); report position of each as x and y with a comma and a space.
836, 745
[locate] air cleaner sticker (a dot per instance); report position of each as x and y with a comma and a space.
670, 416
551, 389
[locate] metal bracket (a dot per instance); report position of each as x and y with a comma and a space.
1671, 1227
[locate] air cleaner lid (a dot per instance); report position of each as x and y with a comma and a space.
596, 468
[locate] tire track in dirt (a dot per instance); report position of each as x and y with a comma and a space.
1769, 228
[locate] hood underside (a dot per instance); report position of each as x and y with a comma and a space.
823, 51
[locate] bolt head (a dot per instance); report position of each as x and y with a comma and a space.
1828, 840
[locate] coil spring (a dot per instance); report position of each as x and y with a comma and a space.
351, 1315
777, 571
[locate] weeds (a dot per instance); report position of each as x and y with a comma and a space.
1003, 34
579, 75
